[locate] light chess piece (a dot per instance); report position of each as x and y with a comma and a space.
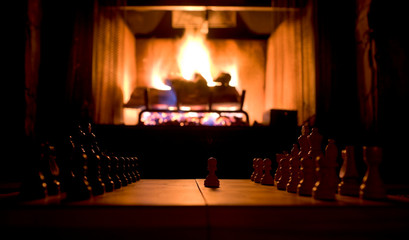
211, 180
267, 179
326, 186
372, 186
349, 184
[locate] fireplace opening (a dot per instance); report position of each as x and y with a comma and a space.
202, 65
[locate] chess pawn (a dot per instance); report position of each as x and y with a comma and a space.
326, 186
211, 180
130, 171
50, 169
115, 172
294, 170
267, 179
315, 141
121, 172
277, 175
134, 166
106, 173
285, 173
77, 186
307, 176
94, 173
254, 169
259, 170
349, 184
372, 186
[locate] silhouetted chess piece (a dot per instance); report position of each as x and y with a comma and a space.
307, 161
254, 169
285, 172
50, 169
33, 185
134, 166
94, 173
267, 178
326, 186
372, 186
259, 168
106, 173
115, 172
211, 180
349, 184
294, 170
277, 175
128, 169
121, 172
77, 186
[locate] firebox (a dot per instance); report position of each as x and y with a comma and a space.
206, 63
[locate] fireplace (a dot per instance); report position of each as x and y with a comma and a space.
211, 64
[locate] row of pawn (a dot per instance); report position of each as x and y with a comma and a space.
79, 169
308, 171
94, 172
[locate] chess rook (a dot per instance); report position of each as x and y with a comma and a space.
372, 186
211, 180
348, 174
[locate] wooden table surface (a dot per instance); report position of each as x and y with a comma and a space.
185, 209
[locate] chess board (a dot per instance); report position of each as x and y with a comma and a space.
185, 209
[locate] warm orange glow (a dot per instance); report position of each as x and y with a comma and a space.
157, 77
194, 57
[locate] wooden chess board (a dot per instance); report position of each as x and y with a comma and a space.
185, 209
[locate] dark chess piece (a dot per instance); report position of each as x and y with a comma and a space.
277, 175
294, 170
372, 186
94, 173
326, 186
211, 180
33, 186
128, 170
285, 173
121, 172
267, 178
77, 186
253, 174
50, 169
115, 172
259, 168
134, 167
106, 173
349, 184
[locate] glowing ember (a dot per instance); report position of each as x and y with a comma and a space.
193, 118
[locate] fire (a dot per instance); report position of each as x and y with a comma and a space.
194, 57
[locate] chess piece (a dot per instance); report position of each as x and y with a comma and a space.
131, 174
308, 164
94, 173
50, 169
134, 166
349, 184
326, 186
115, 172
254, 169
372, 186
285, 173
106, 173
211, 180
77, 186
121, 172
294, 170
277, 175
267, 179
259, 168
